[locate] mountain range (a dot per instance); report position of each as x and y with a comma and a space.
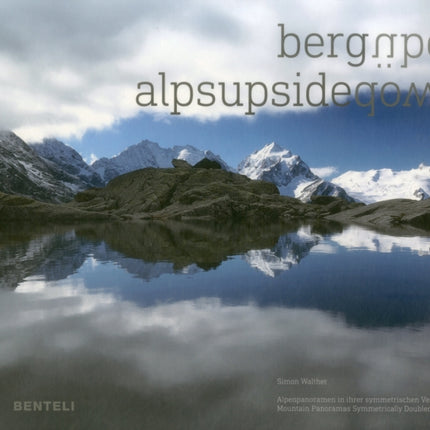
51, 171
150, 154
385, 184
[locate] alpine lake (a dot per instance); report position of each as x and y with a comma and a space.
201, 326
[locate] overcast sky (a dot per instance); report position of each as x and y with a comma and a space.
70, 69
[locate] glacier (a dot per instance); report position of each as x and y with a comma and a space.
375, 185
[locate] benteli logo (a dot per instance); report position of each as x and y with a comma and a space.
43, 406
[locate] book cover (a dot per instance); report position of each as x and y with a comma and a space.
214, 214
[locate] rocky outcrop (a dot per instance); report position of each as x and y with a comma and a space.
26, 210
389, 214
196, 193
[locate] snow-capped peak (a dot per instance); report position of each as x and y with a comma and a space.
288, 172
7, 135
24, 172
150, 154
273, 149
69, 162
272, 157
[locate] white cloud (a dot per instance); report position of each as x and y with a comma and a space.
324, 172
91, 159
66, 67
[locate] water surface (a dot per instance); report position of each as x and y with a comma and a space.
171, 326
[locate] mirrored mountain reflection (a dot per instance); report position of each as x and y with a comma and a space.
184, 244
290, 249
54, 253
147, 250
370, 279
